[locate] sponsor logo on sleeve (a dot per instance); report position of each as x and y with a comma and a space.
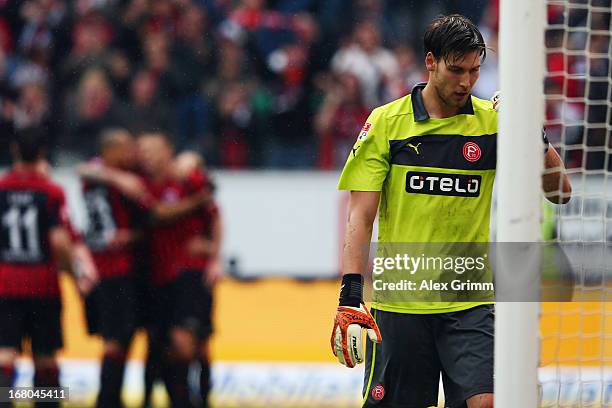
364, 131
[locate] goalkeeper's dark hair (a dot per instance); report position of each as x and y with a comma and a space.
452, 37
30, 144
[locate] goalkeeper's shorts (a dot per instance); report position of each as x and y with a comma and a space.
404, 370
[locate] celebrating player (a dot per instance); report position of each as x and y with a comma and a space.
180, 256
183, 247
439, 132
34, 235
112, 231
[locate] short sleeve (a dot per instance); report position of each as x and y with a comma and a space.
368, 163
212, 210
196, 181
209, 214
58, 211
59, 216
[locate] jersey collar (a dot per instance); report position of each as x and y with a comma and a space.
20, 172
418, 106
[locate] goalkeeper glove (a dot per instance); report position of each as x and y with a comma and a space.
496, 99
351, 318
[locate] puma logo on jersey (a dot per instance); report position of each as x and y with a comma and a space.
416, 148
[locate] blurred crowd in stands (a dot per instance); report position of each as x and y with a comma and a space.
248, 83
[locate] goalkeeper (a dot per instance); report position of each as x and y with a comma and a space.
426, 162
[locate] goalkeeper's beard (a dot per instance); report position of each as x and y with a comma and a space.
448, 99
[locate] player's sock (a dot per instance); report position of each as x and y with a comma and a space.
7, 375
176, 373
151, 370
111, 379
7, 379
46, 377
152, 373
205, 381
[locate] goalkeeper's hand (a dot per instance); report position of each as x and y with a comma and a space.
352, 317
346, 339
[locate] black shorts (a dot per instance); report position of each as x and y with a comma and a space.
404, 370
185, 303
92, 319
145, 295
35, 319
114, 309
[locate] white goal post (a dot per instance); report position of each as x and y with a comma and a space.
519, 167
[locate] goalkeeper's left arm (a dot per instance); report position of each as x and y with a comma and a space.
555, 182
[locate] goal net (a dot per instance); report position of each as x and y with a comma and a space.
576, 336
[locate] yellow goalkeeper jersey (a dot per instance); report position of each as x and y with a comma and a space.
436, 182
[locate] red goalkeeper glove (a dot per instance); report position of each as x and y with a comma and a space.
351, 318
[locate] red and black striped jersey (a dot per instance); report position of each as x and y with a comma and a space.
109, 211
31, 205
168, 241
